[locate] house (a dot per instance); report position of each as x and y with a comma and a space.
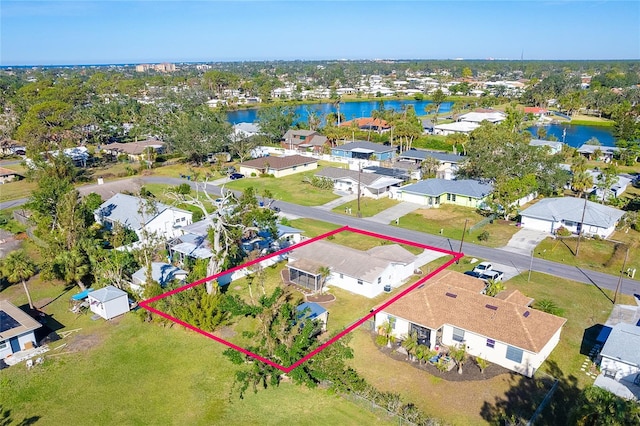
108, 302
393, 172
450, 310
364, 151
620, 361
433, 192
616, 189
448, 162
493, 117
304, 141
132, 213
455, 127
313, 311
135, 151
549, 214
162, 273
16, 329
554, 147
8, 175
536, 111
278, 166
371, 185
366, 273
246, 130
368, 123
606, 152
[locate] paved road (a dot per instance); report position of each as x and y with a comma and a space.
519, 261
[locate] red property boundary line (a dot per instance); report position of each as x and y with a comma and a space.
455, 257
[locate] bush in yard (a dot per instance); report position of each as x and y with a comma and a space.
484, 236
563, 232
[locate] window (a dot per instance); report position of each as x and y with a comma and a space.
514, 354
184, 219
379, 280
448, 197
458, 334
359, 282
3, 345
392, 321
341, 276
453, 197
491, 343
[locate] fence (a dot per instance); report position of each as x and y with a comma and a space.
482, 223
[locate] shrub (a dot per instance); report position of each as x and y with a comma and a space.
381, 340
484, 236
563, 232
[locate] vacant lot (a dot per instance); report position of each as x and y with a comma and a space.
368, 206
449, 220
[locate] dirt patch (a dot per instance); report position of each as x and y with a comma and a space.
83, 342
225, 332
42, 302
470, 371
321, 298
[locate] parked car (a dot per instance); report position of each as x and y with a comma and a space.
483, 267
234, 176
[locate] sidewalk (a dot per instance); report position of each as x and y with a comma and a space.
337, 202
395, 212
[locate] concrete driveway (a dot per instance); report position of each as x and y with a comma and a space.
525, 240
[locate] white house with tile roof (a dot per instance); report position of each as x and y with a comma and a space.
450, 310
549, 214
360, 272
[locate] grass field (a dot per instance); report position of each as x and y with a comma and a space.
290, 189
450, 219
130, 372
368, 206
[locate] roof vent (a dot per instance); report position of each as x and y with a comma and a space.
492, 307
526, 314
451, 295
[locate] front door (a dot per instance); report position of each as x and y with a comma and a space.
423, 333
15, 345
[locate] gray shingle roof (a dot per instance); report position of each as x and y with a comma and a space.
570, 208
278, 163
107, 293
623, 344
124, 209
376, 147
162, 273
418, 154
366, 179
435, 187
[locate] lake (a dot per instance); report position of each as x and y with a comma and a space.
576, 135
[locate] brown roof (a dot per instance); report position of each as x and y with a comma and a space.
8, 172
513, 295
278, 163
446, 299
25, 322
366, 122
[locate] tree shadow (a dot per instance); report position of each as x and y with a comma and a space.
525, 395
6, 420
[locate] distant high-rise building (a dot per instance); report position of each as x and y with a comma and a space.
163, 67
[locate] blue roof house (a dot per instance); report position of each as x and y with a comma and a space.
363, 150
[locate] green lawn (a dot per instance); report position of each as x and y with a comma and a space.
132, 372
450, 220
368, 206
15, 190
600, 255
291, 189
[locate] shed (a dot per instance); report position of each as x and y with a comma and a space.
313, 311
108, 302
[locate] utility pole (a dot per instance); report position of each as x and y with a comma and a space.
464, 231
359, 214
530, 266
581, 224
615, 296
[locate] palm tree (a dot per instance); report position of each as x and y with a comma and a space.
74, 267
17, 267
581, 182
325, 273
459, 354
386, 329
429, 167
410, 344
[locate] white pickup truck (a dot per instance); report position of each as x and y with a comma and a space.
485, 271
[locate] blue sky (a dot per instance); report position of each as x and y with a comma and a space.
79, 32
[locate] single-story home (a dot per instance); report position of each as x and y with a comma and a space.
131, 212
304, 141
366, 273
162, 273
536, 111
549, 214
364, 150
433, 192
455, 127
16, 329
134, 150
371, 184
246, 130
554, 147
108, 302
8, 175
615, 190
278, 166
313, 311
450, 310
368, 123
620, 361
393, 172
493, 117
606, 152
448, 162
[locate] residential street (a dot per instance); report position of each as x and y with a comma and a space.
519, 261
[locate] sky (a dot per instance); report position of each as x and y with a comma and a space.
75, 32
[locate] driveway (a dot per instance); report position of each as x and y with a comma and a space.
395, 212
525, 240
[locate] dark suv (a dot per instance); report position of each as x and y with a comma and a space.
234, 176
